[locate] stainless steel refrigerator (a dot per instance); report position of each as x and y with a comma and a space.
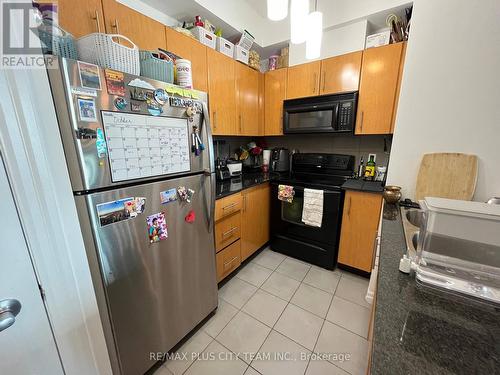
140, 160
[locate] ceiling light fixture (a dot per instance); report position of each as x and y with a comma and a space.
314, 34
298, 20
277, 10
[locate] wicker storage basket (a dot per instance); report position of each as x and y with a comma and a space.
105, 51
56, 41
156, 68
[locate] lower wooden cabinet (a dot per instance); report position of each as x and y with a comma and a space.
227, 231
228, 260
241, 227
255, 219
359, 229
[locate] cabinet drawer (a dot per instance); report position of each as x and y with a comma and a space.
228, 260
227, 205
227, 231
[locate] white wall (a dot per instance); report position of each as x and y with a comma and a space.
337, 41
450, 94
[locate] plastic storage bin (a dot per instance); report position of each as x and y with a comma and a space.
204, 36
224, 46
459, 247
57, 41
105, 51
241, 54
156, 68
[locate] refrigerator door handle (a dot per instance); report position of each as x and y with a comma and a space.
211, 206
209, 143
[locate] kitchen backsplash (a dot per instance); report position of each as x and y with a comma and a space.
339, 144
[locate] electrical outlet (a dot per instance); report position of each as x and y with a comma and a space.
374, 157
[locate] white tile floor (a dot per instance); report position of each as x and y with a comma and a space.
279, 306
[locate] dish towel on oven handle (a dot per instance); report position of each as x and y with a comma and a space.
285, 193
312, 211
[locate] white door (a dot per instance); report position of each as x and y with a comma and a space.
26, 342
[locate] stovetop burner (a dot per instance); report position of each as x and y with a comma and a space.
319, 170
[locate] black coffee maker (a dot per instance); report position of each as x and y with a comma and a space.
280, 160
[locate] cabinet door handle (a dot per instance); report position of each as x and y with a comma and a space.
230, 262
349, 209
244, 202
96, 19
314, 83
241, 126
116, 26
229, 206
214, 121
229, 232
361, 122
324, 80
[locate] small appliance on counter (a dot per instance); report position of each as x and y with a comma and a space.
280, 160
221, 170
235, 167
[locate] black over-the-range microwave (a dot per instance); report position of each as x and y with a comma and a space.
321, 114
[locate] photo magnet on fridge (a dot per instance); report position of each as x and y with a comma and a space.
87, 110
157, 227
114, 82
89, 75
113, 212
168, 196
135, 206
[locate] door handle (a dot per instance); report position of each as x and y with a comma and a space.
241, 126
96, 19
215, 122
324, 80
9, 308
314, 83
361, 122
116, 26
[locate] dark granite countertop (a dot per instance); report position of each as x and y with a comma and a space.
421, 331
362, 185
236, 184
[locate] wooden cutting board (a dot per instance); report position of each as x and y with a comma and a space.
447, 175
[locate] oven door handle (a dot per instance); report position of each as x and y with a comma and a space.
301, 189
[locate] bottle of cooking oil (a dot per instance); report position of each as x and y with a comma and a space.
370, 169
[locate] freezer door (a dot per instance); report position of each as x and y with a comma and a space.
156, 292
108, 145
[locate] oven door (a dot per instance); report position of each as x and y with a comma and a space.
292, 237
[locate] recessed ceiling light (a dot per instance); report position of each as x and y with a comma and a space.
277, 10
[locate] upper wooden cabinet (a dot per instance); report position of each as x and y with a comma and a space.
377, 89
255, 219
192, 50
303, 80
81, 17
247, 94
398, 88
359, 229
222, 93
274, 95
145, 32
340, 73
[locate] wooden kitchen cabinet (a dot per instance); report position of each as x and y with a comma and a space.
274, 95
247, 96
303, 80
222, 93
227, 206
227, 231
255, 215
340, 73
377, 89
145, 32
398, 88
359, 229
81, 17
192, 50
228, 260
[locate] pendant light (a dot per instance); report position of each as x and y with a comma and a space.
314, 34
277, 10
298, 20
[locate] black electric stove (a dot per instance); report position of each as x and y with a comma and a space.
289, 235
